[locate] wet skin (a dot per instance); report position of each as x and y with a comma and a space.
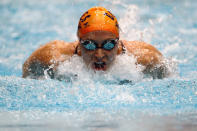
50, 55
99, 59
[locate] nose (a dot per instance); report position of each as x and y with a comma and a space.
99, 54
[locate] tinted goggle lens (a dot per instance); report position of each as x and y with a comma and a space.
89, 45
92, 45
110, 44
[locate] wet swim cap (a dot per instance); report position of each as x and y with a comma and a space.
97, 18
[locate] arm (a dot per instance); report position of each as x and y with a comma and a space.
48, 57
148, 56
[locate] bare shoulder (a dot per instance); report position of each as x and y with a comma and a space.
148, 56
145, 53
134, 46
48, 54
57, 47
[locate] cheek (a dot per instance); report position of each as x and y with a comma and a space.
112, 55
86, 56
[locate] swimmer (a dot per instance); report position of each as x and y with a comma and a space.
98, 44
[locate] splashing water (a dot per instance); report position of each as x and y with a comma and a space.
124, 68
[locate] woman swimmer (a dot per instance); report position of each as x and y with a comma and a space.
98, 44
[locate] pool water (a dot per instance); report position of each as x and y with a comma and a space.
102, 100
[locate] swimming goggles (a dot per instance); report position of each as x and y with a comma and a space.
93, 45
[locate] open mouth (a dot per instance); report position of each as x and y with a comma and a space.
99, 65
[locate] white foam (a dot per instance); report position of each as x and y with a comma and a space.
123, 68
126, 97
172, 67
130, 25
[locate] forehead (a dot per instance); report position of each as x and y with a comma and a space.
99, 35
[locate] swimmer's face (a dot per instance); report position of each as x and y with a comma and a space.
100, 58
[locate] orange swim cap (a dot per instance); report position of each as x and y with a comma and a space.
97, 18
